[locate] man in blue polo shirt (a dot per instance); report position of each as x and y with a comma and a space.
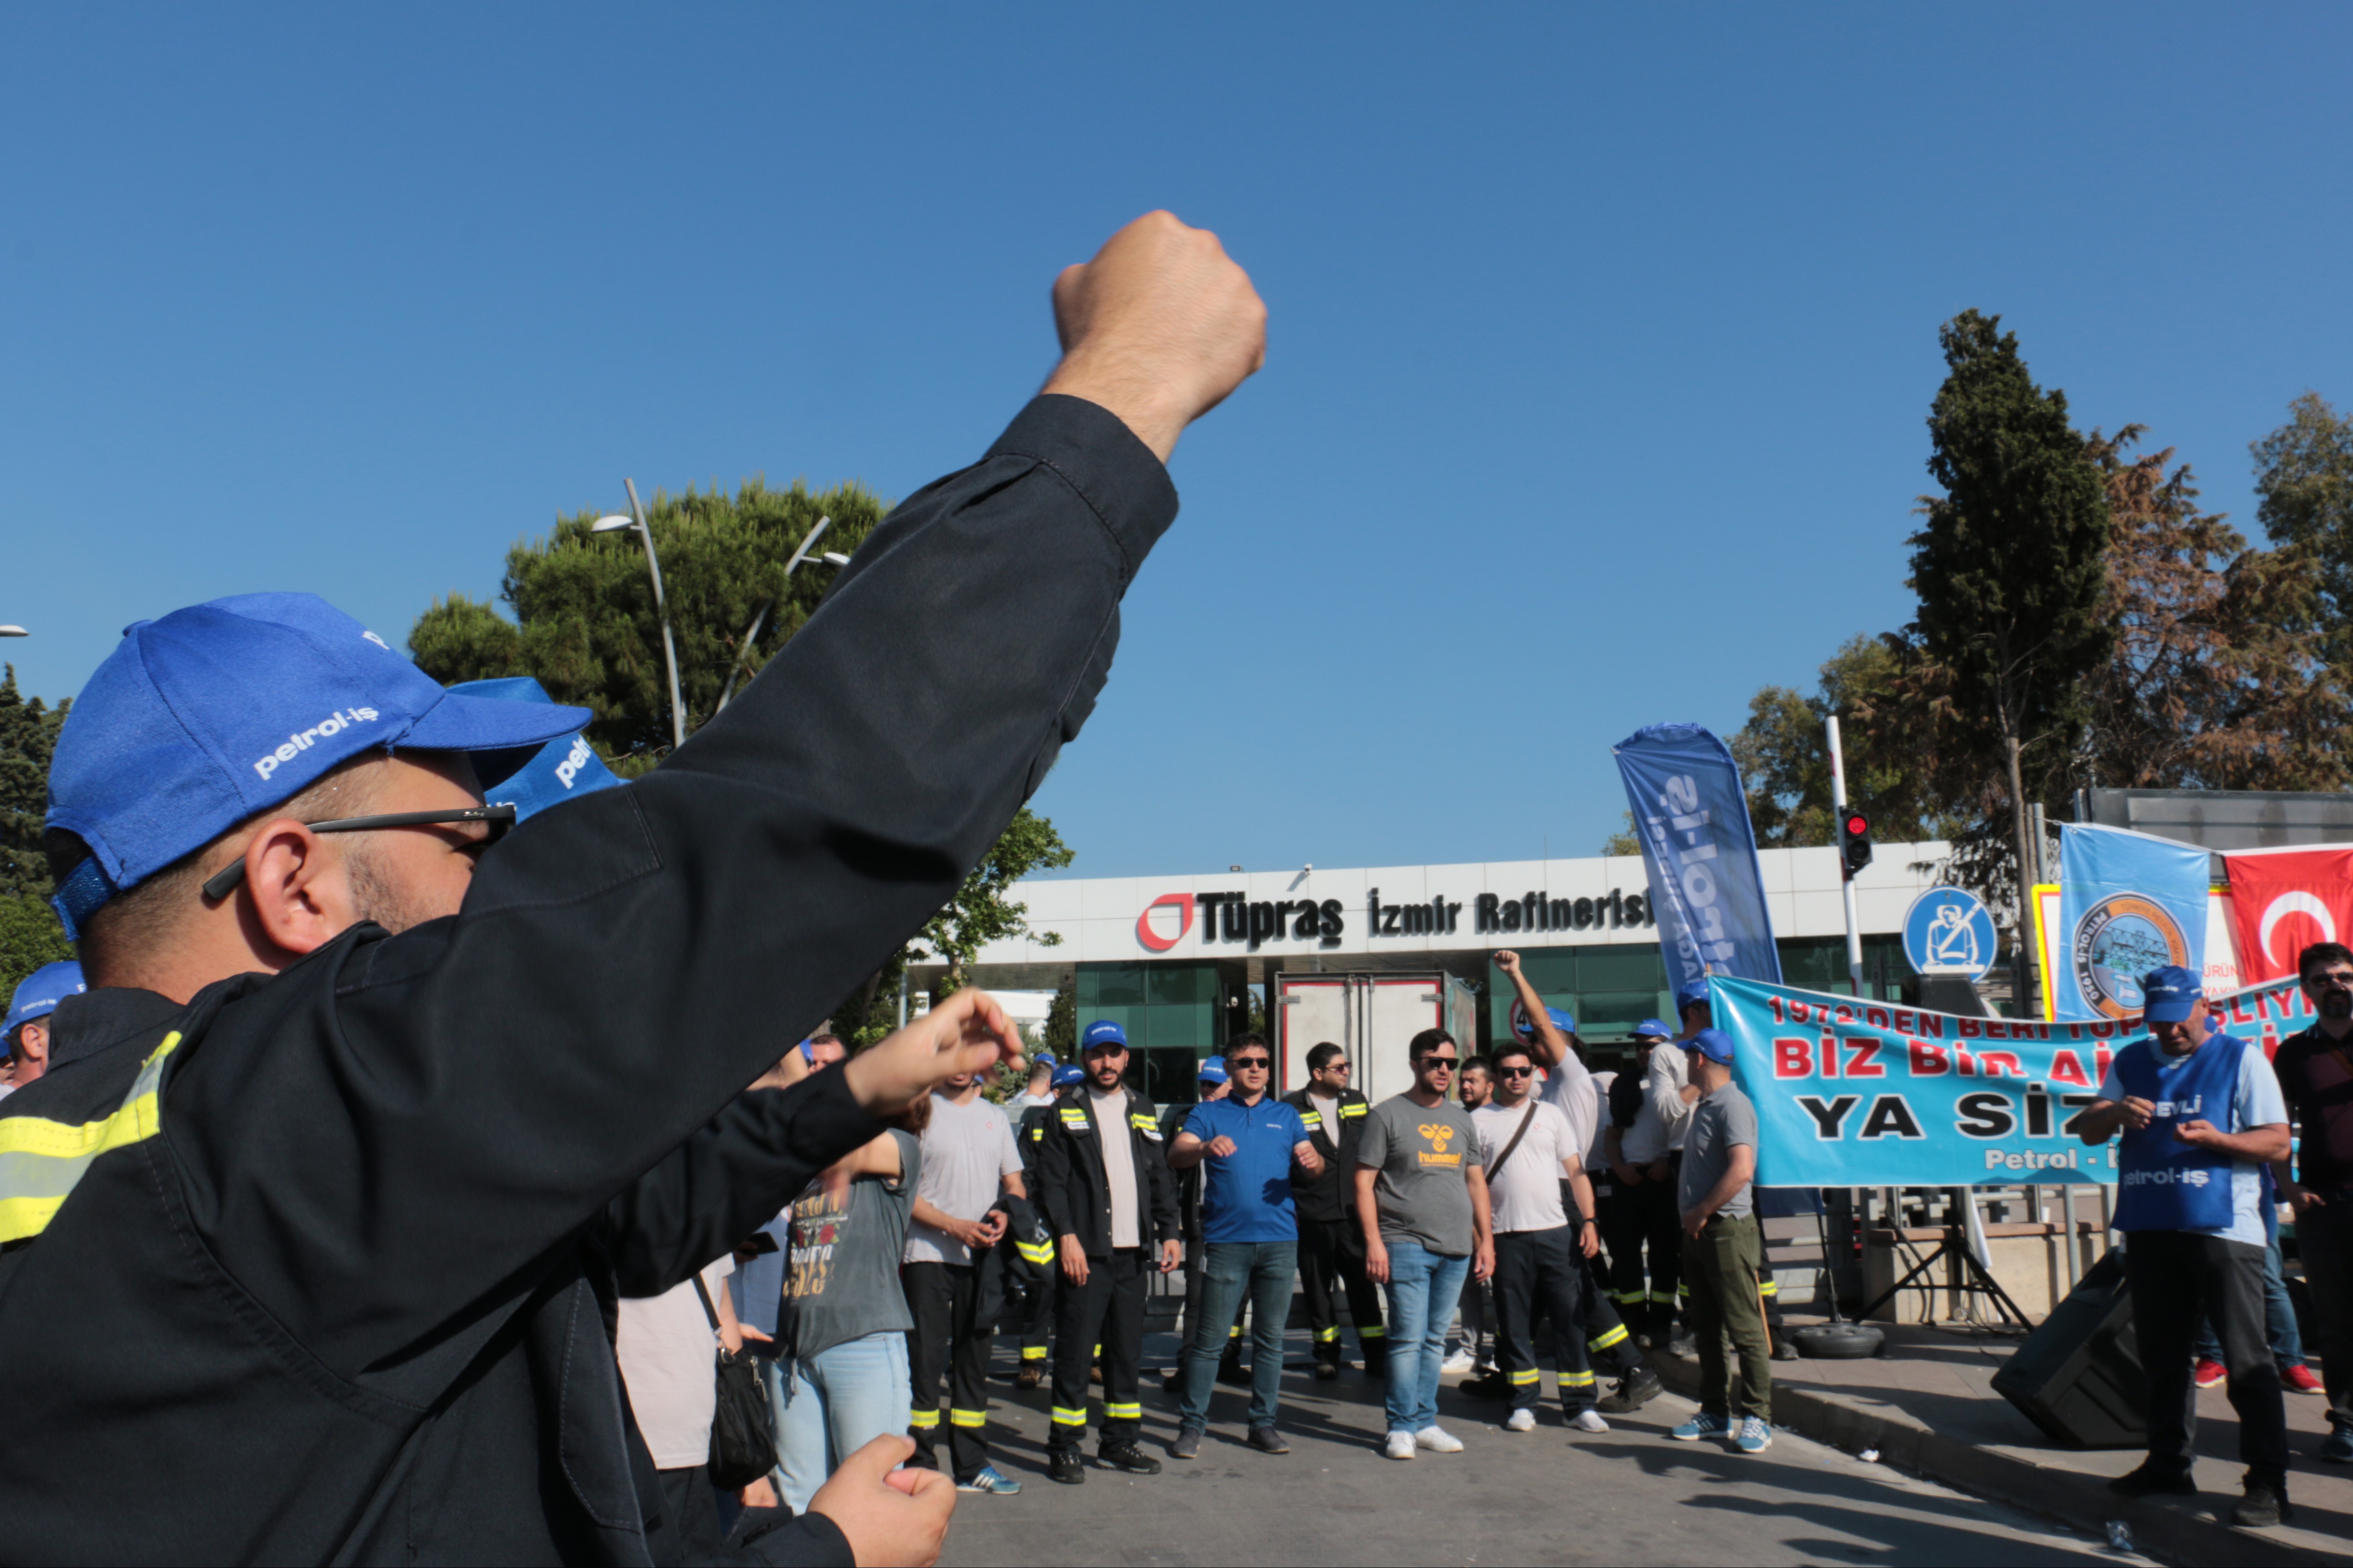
1247, 1142
2200, 1113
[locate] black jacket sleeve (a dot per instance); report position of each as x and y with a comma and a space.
379, 1142
1058, 1174
1163, 1186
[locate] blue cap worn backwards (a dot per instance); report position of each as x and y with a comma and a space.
213, 714
1068, 1074
1713, 1044
1213, 1071
1527, 1031
533, 778
1101, 1033
2167, 995
38, 995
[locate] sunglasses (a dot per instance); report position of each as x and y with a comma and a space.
1515, 1072
499, 818
1247, 1063
1432, 1064
2337, 980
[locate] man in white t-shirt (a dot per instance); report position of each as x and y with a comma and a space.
668, 1346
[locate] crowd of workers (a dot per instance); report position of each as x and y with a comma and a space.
370, 1196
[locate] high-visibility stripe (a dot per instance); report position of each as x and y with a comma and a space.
1374, 1333
1326, 1336
1098, 1350
1041, 1253
1353, 1109
1616, 1335
1770, 1287
1137, 1120
923, 1420
1531, 1375
1235, 1332
966, 1418
1123, 1412
1664, 1297
1033, 1352
1312, 1121
41, 1160
1627, 1298
1069, 1417
1576, 1380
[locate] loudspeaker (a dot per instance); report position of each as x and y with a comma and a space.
2078, 1376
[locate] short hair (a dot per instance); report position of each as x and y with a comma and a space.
1683, 1012
1322, 1055
2321, 953
1040, 1068
1506, 1049
1250, 1037
1479, 1064
1427, 1041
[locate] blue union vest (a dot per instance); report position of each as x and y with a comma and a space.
2165, 1183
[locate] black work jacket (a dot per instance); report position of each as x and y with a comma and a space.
340, 1286
1332, 1195
1071, 1186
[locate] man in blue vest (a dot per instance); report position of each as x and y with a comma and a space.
2201, 1114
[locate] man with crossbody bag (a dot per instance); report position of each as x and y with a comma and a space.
2200, 1113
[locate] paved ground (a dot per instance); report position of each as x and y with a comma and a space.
1628, 1496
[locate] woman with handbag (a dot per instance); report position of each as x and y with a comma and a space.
841, 1328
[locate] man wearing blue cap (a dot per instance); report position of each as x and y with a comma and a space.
1037, 1328
1723, 1254
27, 1033
1210, 1083
2201, 1115
1105, 1191
401, 1126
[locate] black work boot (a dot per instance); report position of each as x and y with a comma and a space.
1065, 1466
2152, 1479
1126, 1455
2265, 1504
1637, 1388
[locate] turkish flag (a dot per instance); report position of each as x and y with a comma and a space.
2284, 900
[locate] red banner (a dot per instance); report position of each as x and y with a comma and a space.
2284, 900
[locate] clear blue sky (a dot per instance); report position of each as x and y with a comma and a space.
1601, 336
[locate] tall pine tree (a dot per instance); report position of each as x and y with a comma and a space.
29, 934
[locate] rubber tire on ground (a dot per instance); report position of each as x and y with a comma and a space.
1838, 1342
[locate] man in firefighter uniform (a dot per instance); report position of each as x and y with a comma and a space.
1111, 1203
1331, 1243
1036, 1327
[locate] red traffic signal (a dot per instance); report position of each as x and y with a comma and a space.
1854, 842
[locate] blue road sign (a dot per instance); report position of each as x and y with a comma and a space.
1949, 930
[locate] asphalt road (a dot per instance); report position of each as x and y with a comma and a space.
1628, 1496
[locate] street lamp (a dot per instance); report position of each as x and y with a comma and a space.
661, 609
831, 558
13, 632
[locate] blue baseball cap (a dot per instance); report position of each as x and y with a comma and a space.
40, 992
533, 778
2167, 995
213, 714
1653, 1027
1713, 1044
1689, 991
1068, 1074
1101, 1033
1213, 1071
1527, 1031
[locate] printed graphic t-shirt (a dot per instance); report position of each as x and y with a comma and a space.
842, 1279
1422, 1154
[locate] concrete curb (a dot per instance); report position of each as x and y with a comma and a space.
2163, 1530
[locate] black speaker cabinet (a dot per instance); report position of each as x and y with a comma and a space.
2078, 1376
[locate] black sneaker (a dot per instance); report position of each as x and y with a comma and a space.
1127, 1457
1631, 1392
1065, 1466
1325, 1371
1489, 1384
2264, 1506
2149, 1480
1267, 1440
1186, 1444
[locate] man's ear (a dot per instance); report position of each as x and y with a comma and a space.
33, 1040
294, 891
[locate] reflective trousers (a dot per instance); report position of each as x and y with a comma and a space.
1543, 1265
1108, 1310
1332, 1263
944, 1299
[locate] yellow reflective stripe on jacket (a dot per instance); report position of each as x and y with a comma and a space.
1041, 1253
40, 1160
1357, 1109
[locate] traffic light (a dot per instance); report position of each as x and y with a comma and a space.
1854, 841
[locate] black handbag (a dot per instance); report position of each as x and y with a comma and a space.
743, 1431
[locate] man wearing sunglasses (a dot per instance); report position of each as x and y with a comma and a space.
2316, 1077
1246, 1143
1421, 1198
401, 1128
1331, 1243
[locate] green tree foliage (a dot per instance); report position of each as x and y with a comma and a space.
584, 622
2303, 476
2011, 567
1060, 1035
1625, 841
29, 934
585, 625
1784, 753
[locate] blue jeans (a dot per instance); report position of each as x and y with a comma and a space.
1264, 1271
1424, 1286
830, 1405
2279, 1319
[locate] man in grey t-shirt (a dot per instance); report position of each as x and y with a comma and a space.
1724, 1254
1421, 1196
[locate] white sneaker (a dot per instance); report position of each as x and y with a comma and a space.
1400, 1446
1589, 1420
1521, 1421
1437, 1440
1456, 1364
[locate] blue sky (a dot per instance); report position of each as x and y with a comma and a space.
1601, 337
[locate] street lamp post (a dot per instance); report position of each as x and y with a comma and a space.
831, 558
661, 607
13, 632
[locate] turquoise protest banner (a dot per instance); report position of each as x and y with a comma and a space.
1870, 1094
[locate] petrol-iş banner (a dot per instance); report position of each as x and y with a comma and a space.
1870, 1094
2129, 902
1706, 889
